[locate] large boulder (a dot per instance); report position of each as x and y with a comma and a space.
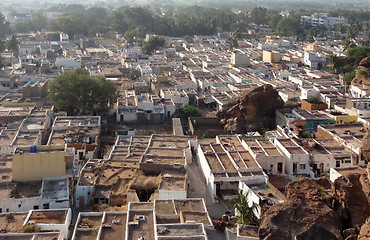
252, 111
366, 146
365, 231
365, 62
305, 215
319, 209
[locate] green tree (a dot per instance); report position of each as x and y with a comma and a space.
118, 22
335, 62
132, 35
98, 12
191, 111
71, 24
273, 19
288, 27
246, 214
134, 74
78, 93
153, 44
12, 44
258, 15
358, 53
37, 22
233, 43
348, 77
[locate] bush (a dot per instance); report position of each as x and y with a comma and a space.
314, 100
191, 111
305, 135
362, 73
358, 53
29, 228
348, 77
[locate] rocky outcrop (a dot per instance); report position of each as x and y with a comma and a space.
252, 111
306, 214
319, 209
352, 193
366, 146
365, 231
365, 62
362, 73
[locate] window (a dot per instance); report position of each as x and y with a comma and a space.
35, 207
7, 210
19, 205
302, 166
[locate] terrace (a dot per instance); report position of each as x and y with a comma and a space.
140, 224
114, 226
48, 217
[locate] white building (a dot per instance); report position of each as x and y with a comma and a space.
240, 59
68, 62
313, 60
226, 163
145, 71
57, 220
63, 38
86, 183
55, 193
260, 194
322, 19
267, 155
180, 98
298, 159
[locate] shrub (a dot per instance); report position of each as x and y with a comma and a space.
348, 77
29, 228
191, 111
362, 73
314, 100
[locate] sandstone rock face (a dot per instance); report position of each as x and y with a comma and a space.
319, 209
365, 62
353, 194
305, 215
365, 231
366, 146
252, 111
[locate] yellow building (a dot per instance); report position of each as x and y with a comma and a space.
341, 118
271, 56
37, 163
345, 119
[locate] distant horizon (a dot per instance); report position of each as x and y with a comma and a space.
234, 4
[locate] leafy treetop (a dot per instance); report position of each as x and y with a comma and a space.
78, 93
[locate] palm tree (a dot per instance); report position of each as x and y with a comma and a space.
245, 212
235, 36
12, 44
